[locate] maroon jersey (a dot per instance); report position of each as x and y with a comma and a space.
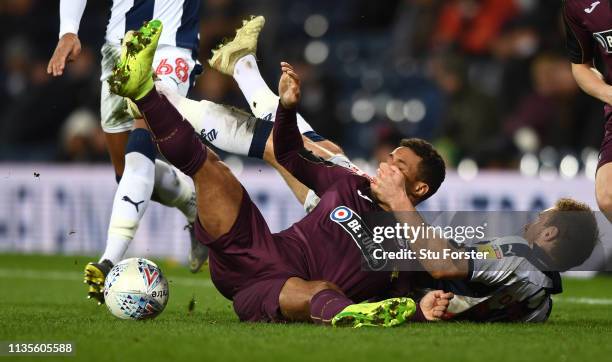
336, 242
250, 265
589, 30
588, 26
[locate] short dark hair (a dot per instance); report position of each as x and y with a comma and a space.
578, 233
432, 169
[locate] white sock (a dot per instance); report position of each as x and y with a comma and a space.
129, 205
262, 100
175, 189
227, 128
260, 97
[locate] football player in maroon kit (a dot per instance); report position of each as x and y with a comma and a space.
311, 271
588, 27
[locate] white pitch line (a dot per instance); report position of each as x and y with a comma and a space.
77, 277
206, 283
590, 301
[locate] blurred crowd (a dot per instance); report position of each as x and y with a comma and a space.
486, 80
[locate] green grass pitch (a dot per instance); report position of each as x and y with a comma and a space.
42, 298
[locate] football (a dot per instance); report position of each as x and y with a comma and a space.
136, 289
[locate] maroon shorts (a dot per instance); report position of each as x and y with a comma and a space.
248, 264
605, 152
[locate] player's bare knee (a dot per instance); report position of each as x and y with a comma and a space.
140, 123
604, 199
220, 168
603, 189
321, 285
214, 163
294, 300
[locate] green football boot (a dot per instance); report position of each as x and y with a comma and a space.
133, 75
387, 313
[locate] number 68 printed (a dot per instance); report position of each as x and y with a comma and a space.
180, 68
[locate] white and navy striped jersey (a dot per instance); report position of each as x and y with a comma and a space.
512, 284
180, 18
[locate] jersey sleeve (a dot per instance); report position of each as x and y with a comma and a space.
495, 268
290, 153
71, 12
579, 42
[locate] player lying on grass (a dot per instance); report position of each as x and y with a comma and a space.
505, 298
517, 279
499, 298
308, 272
517, 287
234, 131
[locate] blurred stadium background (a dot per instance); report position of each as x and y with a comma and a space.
486, 81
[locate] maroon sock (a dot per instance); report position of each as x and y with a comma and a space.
326, 304
174, 136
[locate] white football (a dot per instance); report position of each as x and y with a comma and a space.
135, 289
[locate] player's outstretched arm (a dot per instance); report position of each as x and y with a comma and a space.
591, 82
69, 46
388, 188
580, 44
289, 149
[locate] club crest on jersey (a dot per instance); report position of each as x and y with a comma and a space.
604, 38
352, 223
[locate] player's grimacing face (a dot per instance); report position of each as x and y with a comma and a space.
533, 229
407, 162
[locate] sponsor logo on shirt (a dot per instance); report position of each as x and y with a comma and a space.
364, 196
352, 223
593, 6
604, 38
209, 136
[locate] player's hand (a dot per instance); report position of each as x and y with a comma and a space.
389, 185
289, 86
68, 49
434, 304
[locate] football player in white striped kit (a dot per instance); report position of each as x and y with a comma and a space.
516, 275
141, 176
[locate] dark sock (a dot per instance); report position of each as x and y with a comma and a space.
261, 132
140, 141
326, 304
175, 137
